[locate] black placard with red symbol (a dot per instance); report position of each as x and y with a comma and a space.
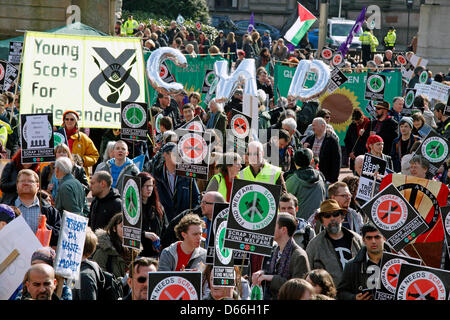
165, 74
326, 53
397, 220
338, 59
175, 285
239, 133
389, 272
401, 60
195, 124
422, 283
193, 153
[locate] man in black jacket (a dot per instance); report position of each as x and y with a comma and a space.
361, 274
106, 203
326, 147
384, 125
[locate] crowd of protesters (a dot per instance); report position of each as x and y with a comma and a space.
319, 234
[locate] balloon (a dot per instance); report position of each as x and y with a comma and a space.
296, 89
245, 75
154, 68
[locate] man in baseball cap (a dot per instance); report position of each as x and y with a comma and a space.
383, 125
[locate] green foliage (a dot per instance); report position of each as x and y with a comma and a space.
164, 21
190, 9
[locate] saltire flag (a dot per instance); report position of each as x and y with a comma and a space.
304, 21
251, 24
358, 24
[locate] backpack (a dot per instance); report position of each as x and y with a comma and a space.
109, 286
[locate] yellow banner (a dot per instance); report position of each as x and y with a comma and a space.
88, 74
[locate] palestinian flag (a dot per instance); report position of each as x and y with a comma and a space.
304, 21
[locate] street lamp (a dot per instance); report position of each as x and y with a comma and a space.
409, 5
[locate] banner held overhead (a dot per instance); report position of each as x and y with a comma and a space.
89, 74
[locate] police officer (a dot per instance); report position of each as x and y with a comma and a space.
259, 169
390, 38
365, 39
130, 25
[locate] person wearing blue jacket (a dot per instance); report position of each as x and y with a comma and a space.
119, 166
176, 193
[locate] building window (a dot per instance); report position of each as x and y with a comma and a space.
225, 4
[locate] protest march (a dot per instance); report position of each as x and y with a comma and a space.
160, 164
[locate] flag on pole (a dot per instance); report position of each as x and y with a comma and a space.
180, 19
251, 24
304, 21
358, 24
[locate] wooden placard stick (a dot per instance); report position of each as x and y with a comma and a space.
9, 259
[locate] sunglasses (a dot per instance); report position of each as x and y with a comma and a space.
69, 119
142, 279
334, 214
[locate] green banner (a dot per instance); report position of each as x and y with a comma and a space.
192, 77
342, 101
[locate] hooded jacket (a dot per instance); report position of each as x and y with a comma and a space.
169, 258
129, 168
107, 256
103, 209
308, 186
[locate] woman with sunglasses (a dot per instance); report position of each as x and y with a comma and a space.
110, 255
78, 142
154, 222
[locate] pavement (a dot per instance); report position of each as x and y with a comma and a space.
344, 172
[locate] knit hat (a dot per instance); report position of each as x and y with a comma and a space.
373, 139
6, 213
407, 120
70, 111
45, 254
302, 158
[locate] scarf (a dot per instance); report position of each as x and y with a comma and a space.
363, 125
69, 134
210, 123
279, 263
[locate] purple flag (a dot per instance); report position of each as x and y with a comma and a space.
358, 24
251, 24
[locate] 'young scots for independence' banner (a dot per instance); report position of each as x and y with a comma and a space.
344, 99
88, 74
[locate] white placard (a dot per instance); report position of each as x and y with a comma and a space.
16, 235
70, 245
439, 91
